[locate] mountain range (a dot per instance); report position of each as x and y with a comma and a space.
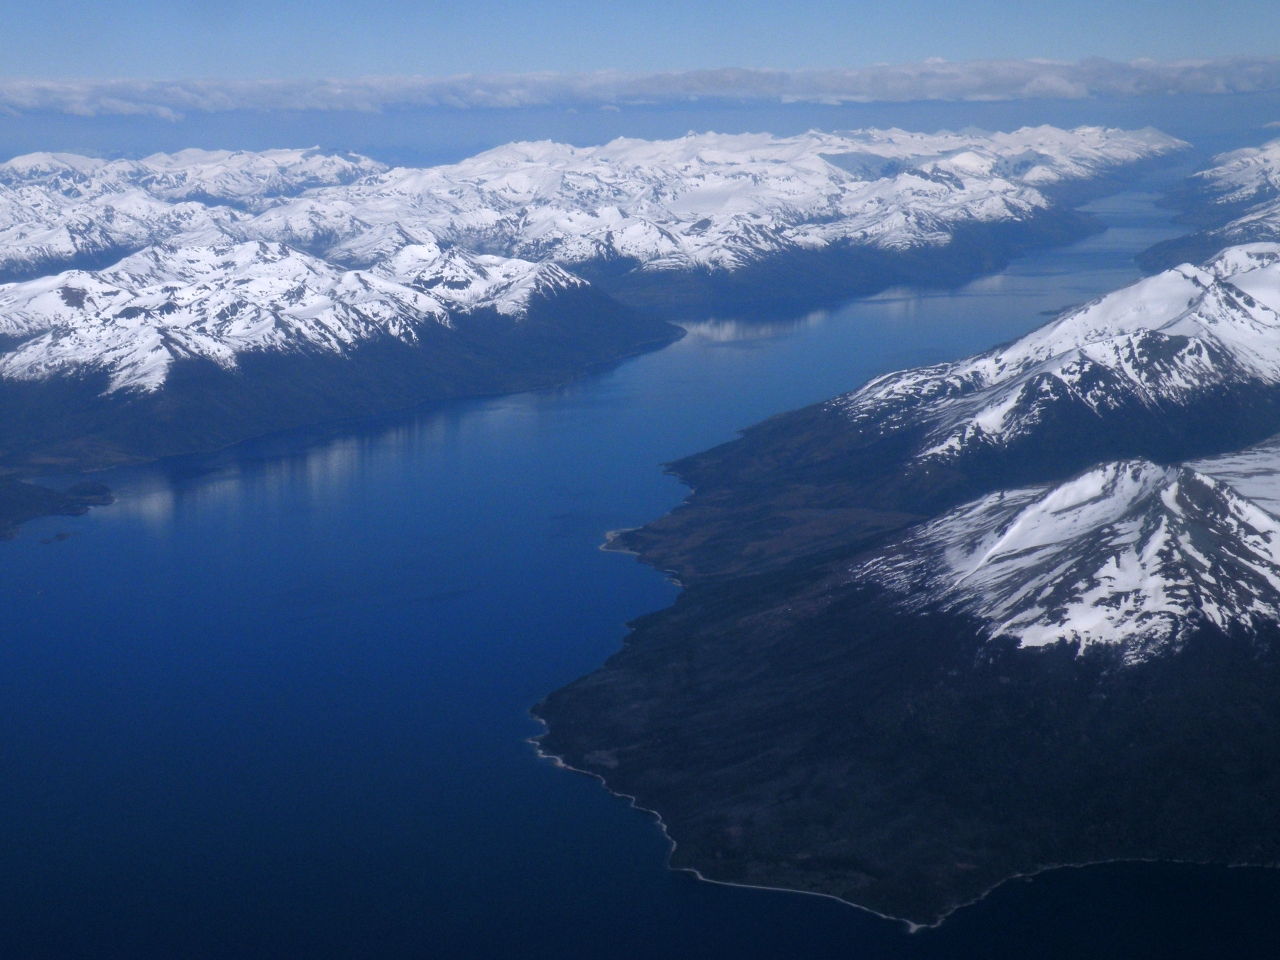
182, 302
704, 201
1234, 200
974, 620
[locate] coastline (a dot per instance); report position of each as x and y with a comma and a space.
561, 764
912, 926
24, 472
21, 502
696, 471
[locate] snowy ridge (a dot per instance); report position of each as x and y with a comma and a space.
1250, 175
1248, 178
704, 200
1128, 553
56, 207
214, 302
1254, 472
1159, 343
218, 253
709, 200
1260, 224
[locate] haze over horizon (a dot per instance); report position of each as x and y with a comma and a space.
336, 38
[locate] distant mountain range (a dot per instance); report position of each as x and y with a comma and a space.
708, 201
1235, 200
185, 301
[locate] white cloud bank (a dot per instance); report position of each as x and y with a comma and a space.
932, 80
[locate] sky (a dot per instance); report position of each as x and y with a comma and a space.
240, 39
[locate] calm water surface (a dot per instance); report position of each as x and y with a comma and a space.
273, 702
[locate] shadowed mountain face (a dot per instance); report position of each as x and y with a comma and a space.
78, 419
973, 620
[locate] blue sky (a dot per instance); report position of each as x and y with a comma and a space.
169, 39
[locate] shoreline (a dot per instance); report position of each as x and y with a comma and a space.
621, 541
31, 475
912, 926
560, 764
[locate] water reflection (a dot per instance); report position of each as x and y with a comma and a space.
726, 331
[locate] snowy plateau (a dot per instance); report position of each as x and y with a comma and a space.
126, 267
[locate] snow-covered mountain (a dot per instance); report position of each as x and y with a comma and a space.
1259, 224
1129, 553
1247, 176
1239, 196
62, 209
1254, 472
212, 254
708, 200
168, 303
1161, 344
704, 200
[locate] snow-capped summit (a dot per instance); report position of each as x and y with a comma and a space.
463, 281
164, 304
1251, 175
1158, 344
1128, 553
216, 302
705, 200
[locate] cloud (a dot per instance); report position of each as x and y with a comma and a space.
931, 80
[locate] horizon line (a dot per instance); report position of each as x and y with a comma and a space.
940, 80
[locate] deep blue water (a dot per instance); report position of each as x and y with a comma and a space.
273, 702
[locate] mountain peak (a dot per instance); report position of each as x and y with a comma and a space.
1128, 553
1160, 343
